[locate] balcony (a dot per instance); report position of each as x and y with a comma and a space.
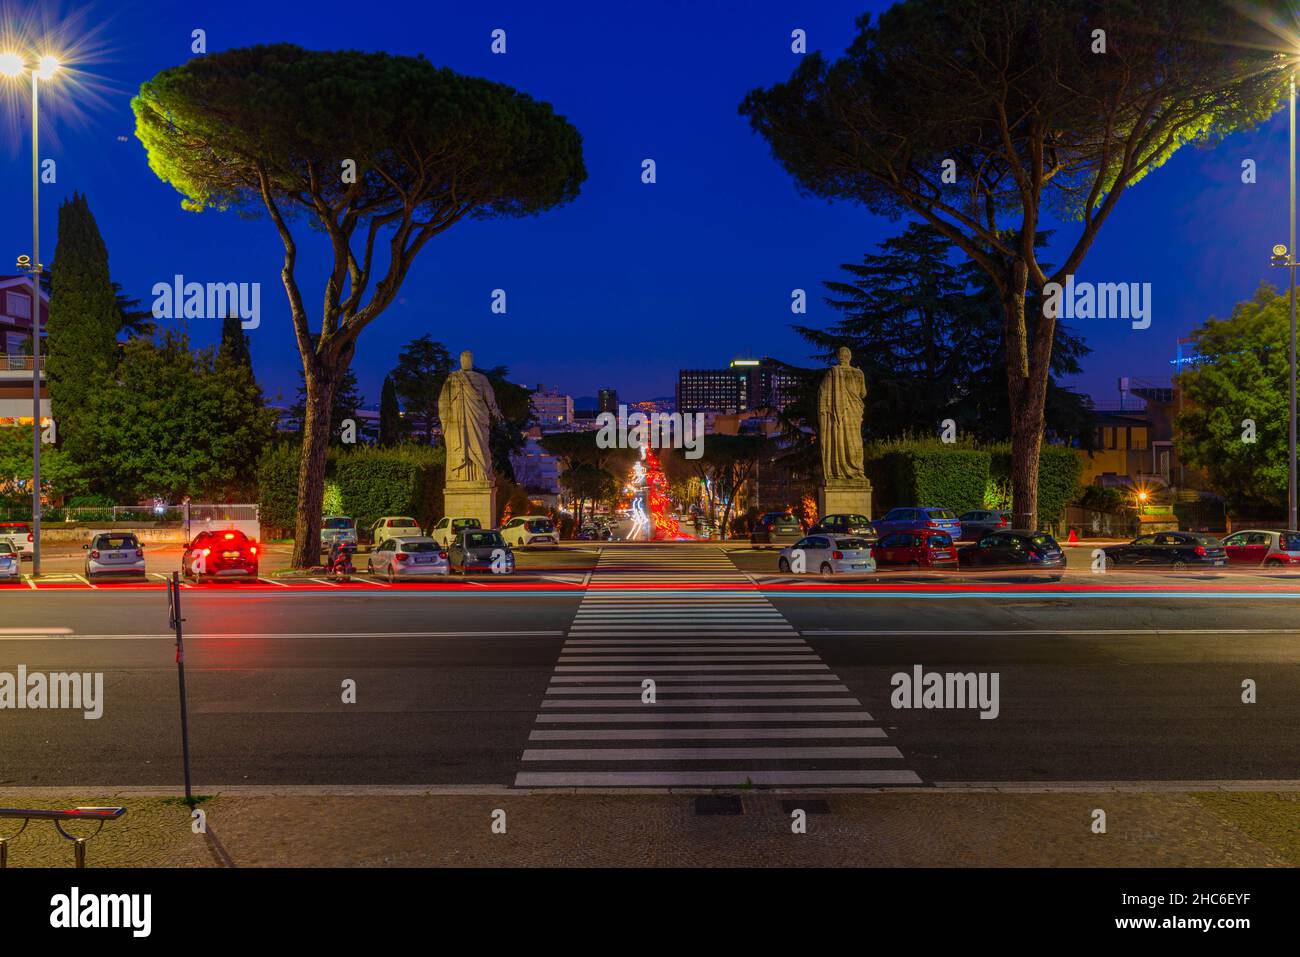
17, 367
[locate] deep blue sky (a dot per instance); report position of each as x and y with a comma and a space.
631, 282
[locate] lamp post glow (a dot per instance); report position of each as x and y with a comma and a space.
13, 65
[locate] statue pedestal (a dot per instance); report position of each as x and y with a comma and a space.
471, 500
851, 497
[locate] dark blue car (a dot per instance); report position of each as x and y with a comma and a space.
907, 519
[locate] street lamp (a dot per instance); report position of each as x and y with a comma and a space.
13, 65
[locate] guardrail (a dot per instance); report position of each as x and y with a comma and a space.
13, 363
100, 814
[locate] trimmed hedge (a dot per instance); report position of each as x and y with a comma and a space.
926, 472
965, 476
405, 480
365, 483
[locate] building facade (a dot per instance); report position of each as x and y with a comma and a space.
745, 385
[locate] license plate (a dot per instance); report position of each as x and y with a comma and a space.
860, 565
942, 555
230, 556
423, 559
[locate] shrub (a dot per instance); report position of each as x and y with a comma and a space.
277, 486
403, 480
927, 472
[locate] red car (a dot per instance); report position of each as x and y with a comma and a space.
916, 548
1268, 548
223, 554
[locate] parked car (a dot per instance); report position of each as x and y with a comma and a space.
228, 554
10, 562
917, 548
19, 535
907, 519
1268, 548
414, 556
595, 533
1170, 550
980, 522
858, 526
473, 550
114, 553
828, 555
448, 528
1015, 549
337, 528
393, 526
524, 530
774, 528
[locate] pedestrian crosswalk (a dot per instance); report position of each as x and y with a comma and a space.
674, 562
711, 689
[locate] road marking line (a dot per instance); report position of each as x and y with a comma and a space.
698, 668
782, 702
867, 752
708, 717
30, 634
702, 734
704, 778
630, 682
635, 690
272, 581
35, 631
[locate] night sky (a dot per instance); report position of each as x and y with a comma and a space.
631, 282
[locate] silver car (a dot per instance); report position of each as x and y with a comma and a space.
337, 528
415, 556
9, 561
114, 553
827, 555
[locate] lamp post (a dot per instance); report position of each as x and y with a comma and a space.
12, 65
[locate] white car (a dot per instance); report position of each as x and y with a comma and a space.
415, 556
19, 535
393, 526
114, 553
530, 530
827, 555
10, 561
448, 528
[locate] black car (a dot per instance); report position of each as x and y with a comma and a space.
776, 528
1169, 550
858, 526
475, 549
1015, 549
982, 521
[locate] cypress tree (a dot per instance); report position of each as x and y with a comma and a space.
81, 339
390, 414
234, 348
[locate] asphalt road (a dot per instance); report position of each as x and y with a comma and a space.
524, 687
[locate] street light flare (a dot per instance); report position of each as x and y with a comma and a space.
47, 67
11, 64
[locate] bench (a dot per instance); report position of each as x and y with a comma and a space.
100, 814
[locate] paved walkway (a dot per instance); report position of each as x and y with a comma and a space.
295, 827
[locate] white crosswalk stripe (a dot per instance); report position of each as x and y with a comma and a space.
740, 697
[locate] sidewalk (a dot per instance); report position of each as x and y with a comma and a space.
931, 828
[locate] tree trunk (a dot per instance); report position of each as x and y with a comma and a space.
311, 470
1028, 365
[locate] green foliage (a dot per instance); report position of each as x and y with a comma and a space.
277, 485
390, 415
81, 342
404, 480
1059, 469
332, 500
16, 468
927, 472
171, 422
1244, 375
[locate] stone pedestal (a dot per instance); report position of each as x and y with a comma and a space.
845, 498
471, 500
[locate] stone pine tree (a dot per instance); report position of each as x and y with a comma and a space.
81, 343
378, 153
390, 414
983, 119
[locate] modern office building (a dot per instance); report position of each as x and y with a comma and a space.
745, 385
552, 410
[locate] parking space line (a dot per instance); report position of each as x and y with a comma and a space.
272, 581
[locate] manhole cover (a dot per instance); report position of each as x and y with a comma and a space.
719, 804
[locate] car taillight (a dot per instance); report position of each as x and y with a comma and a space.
442, 555
1199, 549
252, 549
207, 551
837, 555
400, 556
1002, 522
139, 553
30, 536
95, 554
